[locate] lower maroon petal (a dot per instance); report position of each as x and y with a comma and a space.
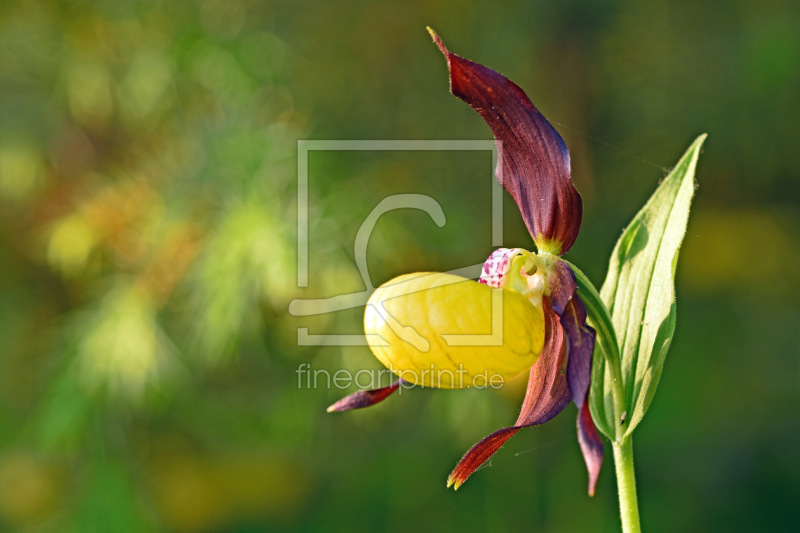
364, 398
581, 340
546, 396
479, 454
548, 389
591, 445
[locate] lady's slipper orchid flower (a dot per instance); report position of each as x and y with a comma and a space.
440, 330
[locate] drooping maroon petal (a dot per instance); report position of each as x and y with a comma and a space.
534, 161
364, 398
591, 445
548, 388
479, 454
546, 396
581, 338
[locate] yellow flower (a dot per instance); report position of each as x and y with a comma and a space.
440, 330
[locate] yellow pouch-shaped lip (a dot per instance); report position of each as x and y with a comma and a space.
440, 330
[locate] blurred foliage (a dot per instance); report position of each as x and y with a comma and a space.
147, 259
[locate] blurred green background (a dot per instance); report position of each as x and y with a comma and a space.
148, 178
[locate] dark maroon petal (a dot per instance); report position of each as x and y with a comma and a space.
479, 454
547, 395
581, 340
548, 389
561, 285
591, 445
534, 161
364, 398
581, 347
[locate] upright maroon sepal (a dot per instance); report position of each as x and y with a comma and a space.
533, 159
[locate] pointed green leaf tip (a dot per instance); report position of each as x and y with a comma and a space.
639, 291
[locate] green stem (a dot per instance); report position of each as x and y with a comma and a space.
618, 394
626, 485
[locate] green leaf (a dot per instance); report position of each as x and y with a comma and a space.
639, 292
